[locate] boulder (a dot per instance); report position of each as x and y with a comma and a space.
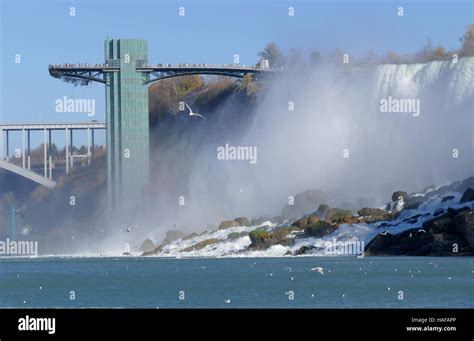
319, 229
147, 246
371, 215
465, 223
237, 235
262, 239
201, 245
396, 196
322, 211
190, 236
171, 236
304, 250
412, 203
242, 221
288, 253
336, 215
301, 223
468, 196
447, 198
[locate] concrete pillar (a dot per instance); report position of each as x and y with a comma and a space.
45, 153
23, 148
8, 145
88, 146
1, 144
67, 151
93, 142
50, 167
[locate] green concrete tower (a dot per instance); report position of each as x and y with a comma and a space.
127, 120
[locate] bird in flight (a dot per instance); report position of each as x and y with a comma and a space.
128, 229
191, 113
318, 269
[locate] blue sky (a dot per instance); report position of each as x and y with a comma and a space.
43, 33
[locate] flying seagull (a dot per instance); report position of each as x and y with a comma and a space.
191, 113
318, 269
227, 300
422, 230
384, 233
128, 229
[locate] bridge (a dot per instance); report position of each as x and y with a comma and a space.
126, 74
24, 168
83, 74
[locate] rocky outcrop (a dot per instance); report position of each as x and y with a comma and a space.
147, 246
467, 196
320, 229
262, 239
322, 211
241, 221
371, 215
237, 235
304, 203
448, 234
171, 236
338, 216
201, 245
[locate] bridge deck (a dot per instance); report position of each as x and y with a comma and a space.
52, 126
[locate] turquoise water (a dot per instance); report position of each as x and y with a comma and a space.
247, 282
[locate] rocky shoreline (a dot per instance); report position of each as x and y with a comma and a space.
434, 222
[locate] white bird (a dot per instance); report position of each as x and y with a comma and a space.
227, 300
422, 230
25, 231
318, 269
384, 233
410, 235
191, 113
128, 229
289, 269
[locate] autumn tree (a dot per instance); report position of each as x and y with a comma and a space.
273, 54
467, 48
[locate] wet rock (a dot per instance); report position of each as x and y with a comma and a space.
125, 253
338, 216
190, 236
304, 250
437, 237
413, 203
288, 253
447, 198
320, 229
438, 212
242, 221
237, 235
322, 211
399, 194
465, 223
201, 245
371, 215
262, 240
468, 196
